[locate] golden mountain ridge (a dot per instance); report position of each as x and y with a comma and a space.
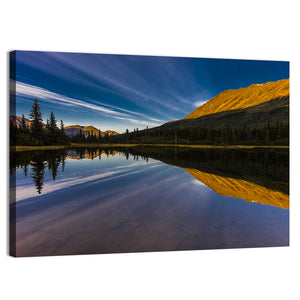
74, 129
240, 188
242, 98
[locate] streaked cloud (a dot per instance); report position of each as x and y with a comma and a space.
199, 103
129, 91
31, 91
197, 182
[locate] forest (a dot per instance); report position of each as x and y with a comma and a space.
38, 134
270, 134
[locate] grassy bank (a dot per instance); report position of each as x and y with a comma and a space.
216, 146
31, 148
105, 145
181, 146
28, 148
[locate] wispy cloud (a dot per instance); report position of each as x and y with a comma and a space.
197, 182
23, 89
154, 88
27, 90
139, 122
199, 103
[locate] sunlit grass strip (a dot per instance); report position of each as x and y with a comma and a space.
218, 146
28, 148
179, 145
104, 145
182, 146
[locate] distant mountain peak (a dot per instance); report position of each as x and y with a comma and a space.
17, 121
73, 130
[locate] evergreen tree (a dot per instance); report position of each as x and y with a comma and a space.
52, 130
23, 125
47, 124
100, 136
36, 128
53, 126
62, 132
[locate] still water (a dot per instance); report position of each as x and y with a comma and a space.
87, 201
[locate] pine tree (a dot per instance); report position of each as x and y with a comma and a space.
23, 126
100, 136
36, 128
53, 126
62, 131
52, 131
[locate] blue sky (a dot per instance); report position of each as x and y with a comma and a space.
124, 91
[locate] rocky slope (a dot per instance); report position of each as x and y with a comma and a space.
242, 98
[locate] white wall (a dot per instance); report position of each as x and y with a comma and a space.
223, 29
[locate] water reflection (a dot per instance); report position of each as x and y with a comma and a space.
95, 200
240, 188
260, 175
37, 161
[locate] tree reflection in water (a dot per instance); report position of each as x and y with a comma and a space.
268, 168
38, 161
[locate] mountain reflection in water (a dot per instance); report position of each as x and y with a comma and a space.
101, 200
240, 188
253, 175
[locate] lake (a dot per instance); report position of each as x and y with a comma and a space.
112, 200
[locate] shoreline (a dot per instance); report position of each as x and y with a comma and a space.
58, 147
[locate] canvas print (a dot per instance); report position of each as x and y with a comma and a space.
132, 153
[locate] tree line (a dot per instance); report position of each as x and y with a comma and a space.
36, 133
80, 138
275, 133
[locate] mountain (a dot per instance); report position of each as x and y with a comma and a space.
242, 98
109, 133
17, 120
87, 130
253, 106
